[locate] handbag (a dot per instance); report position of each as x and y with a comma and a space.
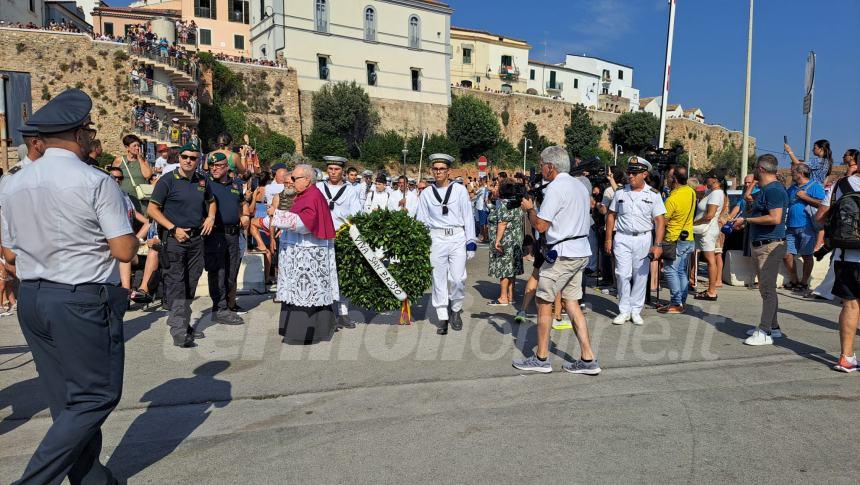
141, 191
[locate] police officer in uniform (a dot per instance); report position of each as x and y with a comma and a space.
634, 213
70, 305
221, 247
185, 210
344, 202
446, 210
35, 146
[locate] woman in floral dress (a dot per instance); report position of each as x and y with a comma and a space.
506, 244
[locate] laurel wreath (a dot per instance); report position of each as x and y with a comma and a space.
404, 246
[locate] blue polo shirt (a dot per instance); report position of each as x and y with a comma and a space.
797, 214
184, 201
772, 196
228, 197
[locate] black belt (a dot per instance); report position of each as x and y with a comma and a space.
633, 233
190, 232
227, 229
763, 242
93, 288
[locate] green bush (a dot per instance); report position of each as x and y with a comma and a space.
344, 110
105, 159
435, 143
504, 154
581, 134
380, 148
635, 131
274, 146
319, 144
473, 126
538, 143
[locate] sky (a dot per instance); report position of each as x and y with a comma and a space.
709, 56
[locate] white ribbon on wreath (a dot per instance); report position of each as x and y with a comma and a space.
375, 263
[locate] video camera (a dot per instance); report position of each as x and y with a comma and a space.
662, 158
518, 192
593, 168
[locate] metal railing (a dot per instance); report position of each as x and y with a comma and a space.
160, 129
509, 72
551, 86
161, 54
169, 94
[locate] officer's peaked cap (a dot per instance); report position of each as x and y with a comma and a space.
65, 112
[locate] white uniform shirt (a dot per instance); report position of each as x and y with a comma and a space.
376, 200
566, 206
851, 255
160, 163
459, 210
411, 201
346, 205
635, 210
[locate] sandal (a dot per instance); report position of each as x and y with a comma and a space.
499, 303
790, 286
704, 296
801, 287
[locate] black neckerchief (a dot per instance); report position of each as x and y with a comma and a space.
447, 196
328, 196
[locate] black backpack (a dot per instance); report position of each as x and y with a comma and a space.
843, 225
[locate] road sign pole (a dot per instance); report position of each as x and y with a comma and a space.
807, 103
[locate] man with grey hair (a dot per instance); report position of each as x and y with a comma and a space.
804, 197
564, 218
765, 218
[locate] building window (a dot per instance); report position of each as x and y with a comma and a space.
32, 5
205, 9
551, 80
369, 24
323, 67
321, 16
416, 79
467, 55
205, 37
619, 93
604, 91
239, 42
371, 74
606, 75
531, 75
507, 61
576, 83
108, 29
414, 33
238, 11
620, 74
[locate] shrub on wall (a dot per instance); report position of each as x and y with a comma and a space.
380, 148
635, 131
344, 110
581, 134
435, 143
473, 126
319, 144
274, 146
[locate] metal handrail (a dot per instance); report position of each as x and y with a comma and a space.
166, 93
155, 52
157, 128
555, 86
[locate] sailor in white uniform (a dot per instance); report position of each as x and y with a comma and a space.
364, 186
403, 199
634, 231
377, 198
343, 202
445, 209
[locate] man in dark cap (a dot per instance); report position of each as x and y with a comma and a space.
70, 314
221, 247
185, 211
35, 146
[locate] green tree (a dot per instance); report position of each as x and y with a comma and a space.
635, 131
503, 154
538, 143
581, 134
473, 126
380, 148
273, 146
319, 144
344, 110
435, 143
683, 157
729, 160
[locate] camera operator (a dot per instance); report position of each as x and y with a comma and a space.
635, 212
564, 217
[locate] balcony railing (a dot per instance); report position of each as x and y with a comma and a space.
509, 72
161, 54
551, 86
163, 130
169, 94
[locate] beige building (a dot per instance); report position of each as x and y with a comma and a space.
484, 60
395, 49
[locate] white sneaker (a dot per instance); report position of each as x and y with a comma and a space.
621, 318
775, 333
759, 337
637, 319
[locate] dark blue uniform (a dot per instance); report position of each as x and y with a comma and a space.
184, 202
222, 245
70, 304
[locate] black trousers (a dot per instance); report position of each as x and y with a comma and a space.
221, 257
76, 337
183, 271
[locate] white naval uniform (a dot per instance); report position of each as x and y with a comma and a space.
376, 200
411, 201
634, 222
449, 234
346, 206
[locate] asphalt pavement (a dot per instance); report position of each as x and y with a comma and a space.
680, 399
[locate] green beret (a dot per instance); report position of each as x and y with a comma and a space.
189, 147
218, 157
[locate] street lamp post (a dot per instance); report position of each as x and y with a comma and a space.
405, 152
745, 149
526, 145
618, 149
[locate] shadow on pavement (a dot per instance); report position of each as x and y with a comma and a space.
26, 399
157, 432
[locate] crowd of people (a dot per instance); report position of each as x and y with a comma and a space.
142, 82
146, 120
52, 25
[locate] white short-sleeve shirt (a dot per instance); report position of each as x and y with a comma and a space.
566, 206
635, 210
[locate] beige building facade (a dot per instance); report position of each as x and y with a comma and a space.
484, 60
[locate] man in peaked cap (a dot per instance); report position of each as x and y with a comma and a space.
446, 210
634, 231
343, 202
70, 314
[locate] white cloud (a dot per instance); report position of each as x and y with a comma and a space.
598, 24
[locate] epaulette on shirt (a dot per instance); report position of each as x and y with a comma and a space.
14, 170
